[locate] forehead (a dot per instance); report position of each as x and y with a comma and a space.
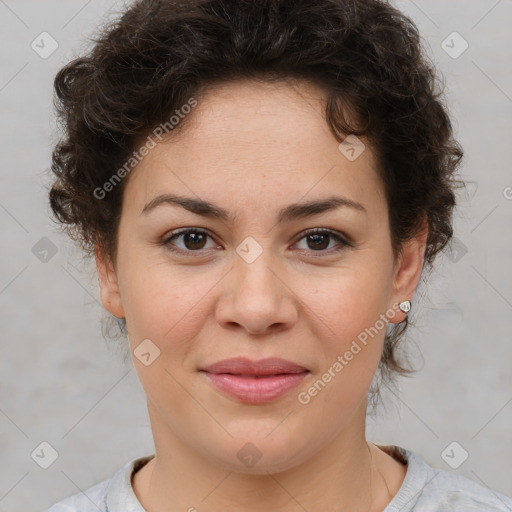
258, 112
249, 138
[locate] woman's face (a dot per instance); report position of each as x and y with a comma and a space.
252, 284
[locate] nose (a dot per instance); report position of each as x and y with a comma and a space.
256, 297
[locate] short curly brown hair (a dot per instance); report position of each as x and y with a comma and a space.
365, 54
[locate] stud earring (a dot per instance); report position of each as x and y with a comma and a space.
405, 306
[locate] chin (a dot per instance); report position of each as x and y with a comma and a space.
260, 455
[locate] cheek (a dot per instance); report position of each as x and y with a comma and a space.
163, 307
351, 302
351, 307
159, 298
350, 358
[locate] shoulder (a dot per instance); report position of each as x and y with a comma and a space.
90, 500
452, 492
429, 489
115, 494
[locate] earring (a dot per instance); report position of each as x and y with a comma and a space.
405, 306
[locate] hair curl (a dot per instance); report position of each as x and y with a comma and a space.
365, 54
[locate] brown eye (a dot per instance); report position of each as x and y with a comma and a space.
316, 241
319, 240
194, 241
188, 240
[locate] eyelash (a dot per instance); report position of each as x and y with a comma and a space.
343, 244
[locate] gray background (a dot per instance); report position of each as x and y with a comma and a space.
61, 382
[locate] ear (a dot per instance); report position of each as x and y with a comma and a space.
109, 289
408, 270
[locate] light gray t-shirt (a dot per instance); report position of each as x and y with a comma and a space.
424, 489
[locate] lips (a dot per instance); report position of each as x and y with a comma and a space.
244, 366
255, 382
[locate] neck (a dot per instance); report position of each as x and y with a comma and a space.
340, 477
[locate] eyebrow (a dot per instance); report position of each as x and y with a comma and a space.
291, 212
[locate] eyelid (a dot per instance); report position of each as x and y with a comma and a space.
344, 241
183, 231
344, 238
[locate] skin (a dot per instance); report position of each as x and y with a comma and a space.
252, 149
